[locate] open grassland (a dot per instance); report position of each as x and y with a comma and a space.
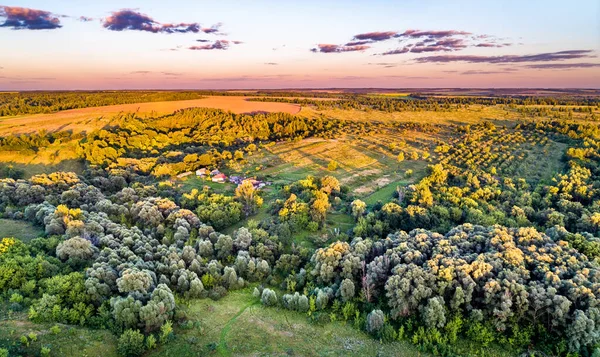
238, 325
87, 119
19, 229
67, 340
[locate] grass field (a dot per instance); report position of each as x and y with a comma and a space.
19, 229
70, 341
238, 325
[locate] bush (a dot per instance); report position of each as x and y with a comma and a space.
131, 343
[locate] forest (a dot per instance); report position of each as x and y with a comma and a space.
451, 239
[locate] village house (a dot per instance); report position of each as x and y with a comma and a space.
201, 172
215, 172
220, 178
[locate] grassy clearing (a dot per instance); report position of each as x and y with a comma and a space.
19, 229
70, 341
238, 325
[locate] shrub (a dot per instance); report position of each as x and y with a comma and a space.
45, 351
130, 343
166, 332
150, 342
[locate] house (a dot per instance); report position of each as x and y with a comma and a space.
221, 178
184, 174
215, 172
201, 172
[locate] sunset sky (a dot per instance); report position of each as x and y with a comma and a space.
202, 44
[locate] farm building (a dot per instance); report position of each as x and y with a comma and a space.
221, 178
215, 172
201, 172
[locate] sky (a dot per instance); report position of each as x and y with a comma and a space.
199, 44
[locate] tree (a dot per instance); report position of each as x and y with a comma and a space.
358, 208
347, 290
268, 297
400, 157
375, 321
75, 248
332, 166
134, 280
248, 196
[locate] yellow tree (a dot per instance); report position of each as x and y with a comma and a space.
248, 196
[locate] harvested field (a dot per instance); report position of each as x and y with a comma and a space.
86, 119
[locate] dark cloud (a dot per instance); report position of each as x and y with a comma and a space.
563, 65
492, 44
217, 45
432, 34
358, 43
376, 36
397, 51
542, 57
202, 40
271, 63
127, 19
21, 18
328, 48
237, 42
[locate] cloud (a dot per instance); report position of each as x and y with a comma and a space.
563, 65
329, 48
383, 64
85, 19
397, 51
21, 18
213, 29
202, 40
358, 43
541, 57
476, 72
271, 63
140, 72
237, 42
127, 19
217, 45
432, 34
376, 36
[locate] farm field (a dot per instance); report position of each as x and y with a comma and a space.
88, 119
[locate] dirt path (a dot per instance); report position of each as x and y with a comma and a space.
222, 346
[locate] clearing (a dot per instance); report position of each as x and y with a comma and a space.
19, 229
